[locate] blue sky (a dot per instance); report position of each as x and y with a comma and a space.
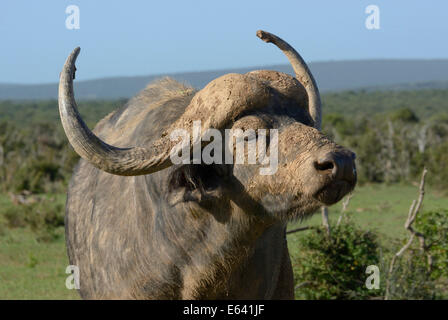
127, 38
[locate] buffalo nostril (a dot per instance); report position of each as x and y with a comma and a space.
325, 165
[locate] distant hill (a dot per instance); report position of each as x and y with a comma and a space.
435, 85
331, 76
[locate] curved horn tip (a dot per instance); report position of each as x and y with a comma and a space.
302, 72
272, 38
265, 36
70, 62
74, 54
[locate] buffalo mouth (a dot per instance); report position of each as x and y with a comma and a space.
333, 192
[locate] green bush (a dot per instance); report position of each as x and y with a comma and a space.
44, 218
335, 268
434, 226
414, 275
404, 115
35, 175
410, 279
437, 160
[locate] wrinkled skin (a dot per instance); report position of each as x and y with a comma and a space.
200, 231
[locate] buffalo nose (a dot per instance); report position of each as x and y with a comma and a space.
337, 165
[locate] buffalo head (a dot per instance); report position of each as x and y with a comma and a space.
311, 169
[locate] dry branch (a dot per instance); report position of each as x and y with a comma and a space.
412, 215
325, 221
302, 284
299, 229
345, 203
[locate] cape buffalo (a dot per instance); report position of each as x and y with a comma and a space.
140, 227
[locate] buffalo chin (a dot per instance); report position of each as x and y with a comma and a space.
333, 192
300, 209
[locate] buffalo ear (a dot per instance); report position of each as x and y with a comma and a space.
199, 183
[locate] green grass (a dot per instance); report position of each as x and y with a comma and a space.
30, 269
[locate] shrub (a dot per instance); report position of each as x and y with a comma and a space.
434, 226
404, 115
438, 156
410, 279
44, 218
414, 276
335, 268
34, 175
